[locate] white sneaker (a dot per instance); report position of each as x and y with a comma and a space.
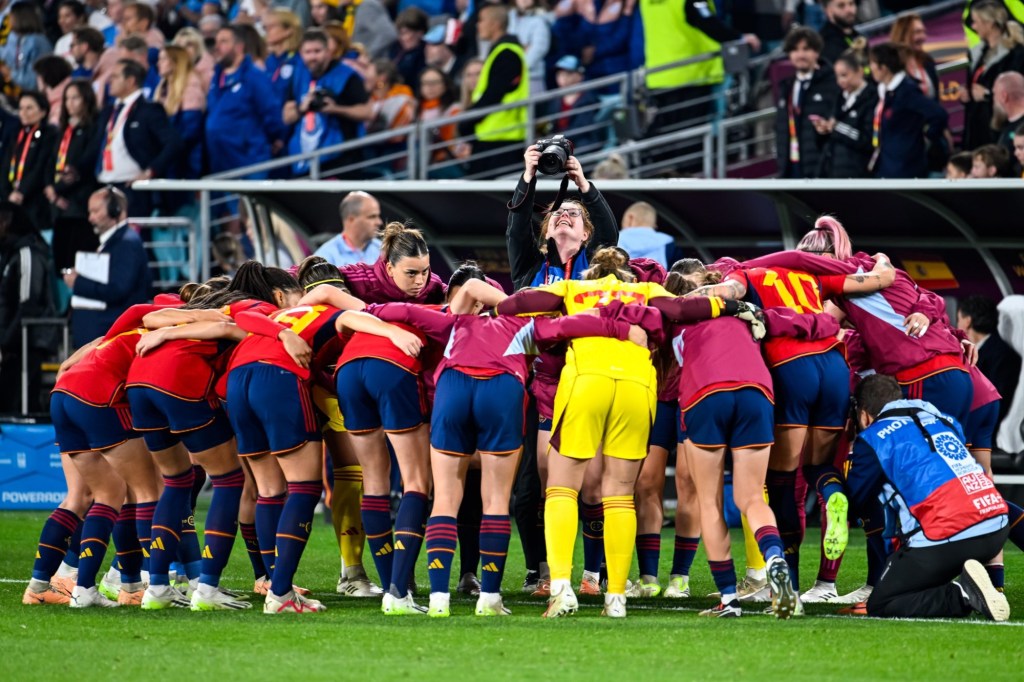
401, 606
293, 602
857, 596
210, 598
821, 592
440, 605
784, 597
614, 606
158, 597
110, 584
678, 587
84, 597
751, 588
353, 582
490, 604
562, 601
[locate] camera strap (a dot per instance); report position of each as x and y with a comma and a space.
543, 209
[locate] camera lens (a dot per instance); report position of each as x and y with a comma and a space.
552, 160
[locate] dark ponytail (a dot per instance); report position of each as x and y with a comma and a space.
315, 270
677, 282
399, 241
466, 271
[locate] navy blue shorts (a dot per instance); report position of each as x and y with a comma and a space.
271, 410
950, 391
545, 425
374, 393
734, 419
165, 420
665, 430
470, 414
81, 427
980, 427
812, 391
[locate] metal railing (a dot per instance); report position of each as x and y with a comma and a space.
26, 324
174, 246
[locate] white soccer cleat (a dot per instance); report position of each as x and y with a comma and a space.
614, 606
110, 584
293, 602
85, 597
678, 587
159, 597
353, 582
981, 594
784, 597
440, 605
209, 598
859, 595
563, 601
819, 594
401, 606
490, 604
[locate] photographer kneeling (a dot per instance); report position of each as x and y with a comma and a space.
571, 231
331, 101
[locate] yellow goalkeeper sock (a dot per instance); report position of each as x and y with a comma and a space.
561, 520
619, 540
755, 562
345, 513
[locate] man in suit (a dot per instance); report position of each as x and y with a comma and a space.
137, 141
838, 34
978, 317
129, 279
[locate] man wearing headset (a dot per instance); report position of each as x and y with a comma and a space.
118, 281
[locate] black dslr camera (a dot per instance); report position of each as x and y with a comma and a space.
316, 101
554, 152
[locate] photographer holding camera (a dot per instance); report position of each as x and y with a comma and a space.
327, 99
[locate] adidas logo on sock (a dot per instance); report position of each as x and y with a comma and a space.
436, 563
158, 543
207, 554
87, 552
351, 531
491, 567
37, 555
399, 545
385, 550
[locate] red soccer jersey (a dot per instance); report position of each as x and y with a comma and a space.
362, 345
798, 291
313, 324
99, 378
187, 368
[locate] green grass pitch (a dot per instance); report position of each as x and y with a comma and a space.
661, 639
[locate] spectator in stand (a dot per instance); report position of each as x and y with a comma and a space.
183, 96
74, 174
1008, 102
71, 14
243, 115
136, 141
1018, 147
53, 74
440, 53
1001, 49
192, 40
284, 33
87, 48
978, 317
26, 276
360, 223
115, 13
838, 34
138, 18
329, 102
130, 278
25, 44
438, 98
528, 22
322, 11
990, 161
959, 166
909, 30
568, 36
255, 46
612, 168
300, 8
393, 102
209, 26
807, 98
903, 112
408, 54
469, 79
575, 110
27, 168
608, 27
341, 48
640, 238
848, 149
432, 8
135, 48
370, 26
503, 79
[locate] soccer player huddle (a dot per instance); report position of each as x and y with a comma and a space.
271, 382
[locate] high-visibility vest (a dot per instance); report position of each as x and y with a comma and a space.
510, 124
1014, 7
669, 38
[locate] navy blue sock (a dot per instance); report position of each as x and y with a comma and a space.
54, 541
495, 536
221, 525
724, 575
683, 554
74, 546
376, 513
442, 536
782, 500
997, 573
592, 516
876, 557
144, 529
412, 513
166, 527
252, 549
126, 543
648, 553
1016, 527
268, 516
293, 532
825, 479
198, 482
470, 512
99, 522
189, 554
769, 542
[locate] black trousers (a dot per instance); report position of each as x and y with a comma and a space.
528, 496
916, 582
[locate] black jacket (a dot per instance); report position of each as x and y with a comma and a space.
978, 113
818, 98
849, 147
908, 112
38, 173
835, 41
148, 134
78, 181
1000, 364
26, 276
524, 255
1005, 140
